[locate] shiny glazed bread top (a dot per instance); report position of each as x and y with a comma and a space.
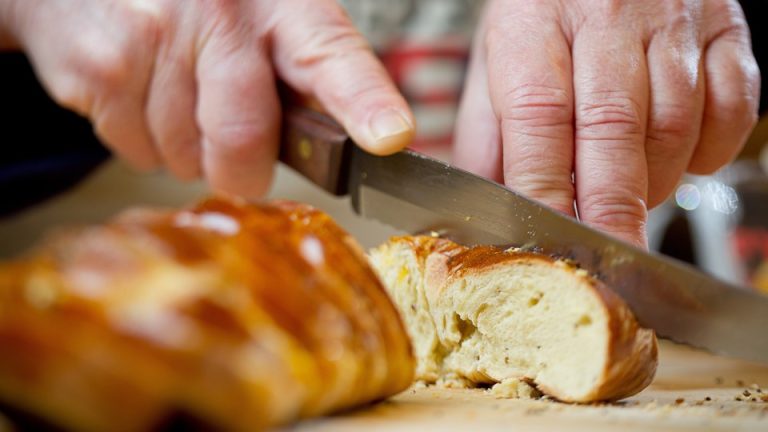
238, 315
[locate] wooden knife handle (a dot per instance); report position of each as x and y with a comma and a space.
316, 147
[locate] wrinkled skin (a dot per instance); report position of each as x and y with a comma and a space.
623, 97
601, 103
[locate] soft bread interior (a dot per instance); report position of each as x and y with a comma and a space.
526, 319
513, 316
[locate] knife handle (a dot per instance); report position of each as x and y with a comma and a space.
316, 147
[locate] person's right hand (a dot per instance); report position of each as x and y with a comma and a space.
190, 84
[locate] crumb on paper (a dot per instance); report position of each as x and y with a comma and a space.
513, 388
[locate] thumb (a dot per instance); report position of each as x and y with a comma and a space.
319, 52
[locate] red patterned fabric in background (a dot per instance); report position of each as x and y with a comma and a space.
425, 46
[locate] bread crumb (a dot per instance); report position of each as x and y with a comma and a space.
513, 388
678, 401
454, 381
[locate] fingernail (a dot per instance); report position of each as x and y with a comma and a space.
387, 125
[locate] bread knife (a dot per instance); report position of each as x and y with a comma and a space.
417, 194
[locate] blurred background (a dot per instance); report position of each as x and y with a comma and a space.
53, 171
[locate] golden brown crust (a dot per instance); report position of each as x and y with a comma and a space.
242, 315
632, 351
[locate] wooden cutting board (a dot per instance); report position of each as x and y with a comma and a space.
676, 400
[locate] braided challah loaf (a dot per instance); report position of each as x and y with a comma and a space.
238, 316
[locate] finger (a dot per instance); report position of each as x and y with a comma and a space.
732, 98
477, 142
529, 74
238, 113
676, 107
320, 53
171, 114
611, 91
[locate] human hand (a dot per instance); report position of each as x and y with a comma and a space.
190, 84
606, 103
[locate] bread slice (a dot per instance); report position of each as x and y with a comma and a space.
486, 315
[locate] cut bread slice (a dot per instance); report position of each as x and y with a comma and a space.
488, 316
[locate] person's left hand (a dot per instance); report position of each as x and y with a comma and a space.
606, 103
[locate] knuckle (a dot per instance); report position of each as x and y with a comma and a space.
104, 64
614, 210
330, 41
113, 71
611, 113
735, 110
238, 140
544, 187
678, 13
536, 106
725, 19
672, 122
330, 35
70, 92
